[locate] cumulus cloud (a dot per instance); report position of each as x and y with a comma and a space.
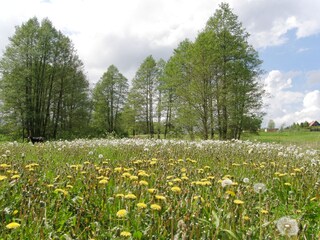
269, 21
284, 105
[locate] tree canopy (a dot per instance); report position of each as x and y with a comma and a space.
208, 88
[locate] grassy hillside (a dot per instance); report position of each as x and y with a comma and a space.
301, 138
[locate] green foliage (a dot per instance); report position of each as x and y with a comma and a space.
43, 88
109, 98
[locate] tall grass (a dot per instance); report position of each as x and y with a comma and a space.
148, 189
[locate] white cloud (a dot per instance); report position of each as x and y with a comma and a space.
269, 21
285, 105
313, 77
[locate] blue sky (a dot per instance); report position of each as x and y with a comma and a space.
286, 34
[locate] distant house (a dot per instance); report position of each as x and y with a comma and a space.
314, 124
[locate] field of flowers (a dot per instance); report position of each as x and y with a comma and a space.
158, 189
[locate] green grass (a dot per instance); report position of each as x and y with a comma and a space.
300, 138
75, 190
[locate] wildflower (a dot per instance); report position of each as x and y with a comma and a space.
12, 225
61, 190
16, 176
134, 178
287, 226
130, 196
151, 190
122, 213
103, 181
100, 156
238, 202
125, 234
259, 187
143, 183
231, 193
126, 174
176, 189
119, 195
226, 182
2, 177
141, 205
155, 207
246, 180
160, 197
264, 211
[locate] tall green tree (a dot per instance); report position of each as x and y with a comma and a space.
109, 97
43, 85
216, 78
236, 69
143, 94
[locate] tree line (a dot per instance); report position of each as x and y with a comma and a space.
209, 87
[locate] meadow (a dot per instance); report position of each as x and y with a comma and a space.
159, 189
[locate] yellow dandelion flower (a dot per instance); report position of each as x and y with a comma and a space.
183, 169
126, 174
15, 212
2, 177
130, 196
283, 174
199, 198
160, 197
231, 193
184, 178
142, 173
238, 202
61, 191
264, 211
50, 185
118, 169
13, 225
200, 170
151, 190
125, 234
133, 178
16, 176
169, 177
246, 218
155, 207
69, 186
119, 195
103, 181
143, 183
4, 165
122, 213
287, 184
297, 170
176, 189
141, 205
176, 180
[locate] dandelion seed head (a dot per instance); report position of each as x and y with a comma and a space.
246, 180
226, 182
259, 187
287, 226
